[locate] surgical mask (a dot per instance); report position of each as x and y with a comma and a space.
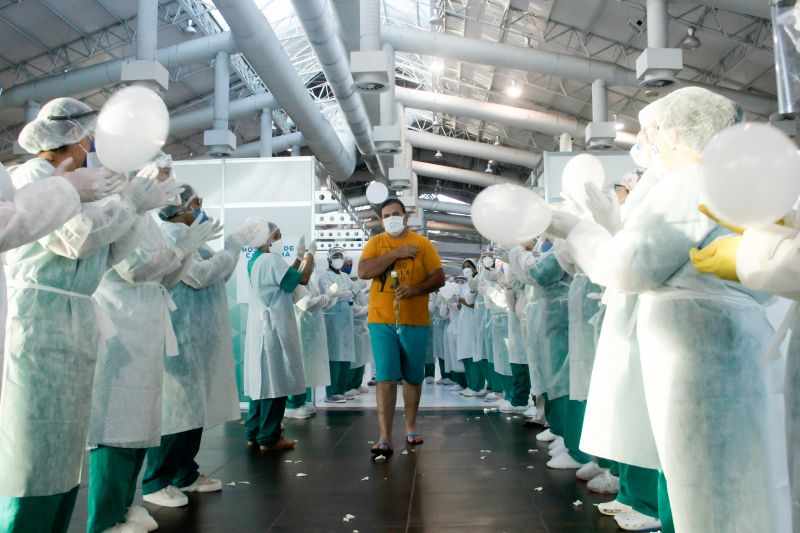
347, 269
337, 263
488, 262
656, 162
394, 225
467, 272
200, 213
276, 246
641, 156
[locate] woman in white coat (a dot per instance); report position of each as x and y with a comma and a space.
273, 358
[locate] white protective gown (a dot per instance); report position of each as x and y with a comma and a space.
768, 259
273, 358
451, 362
361, 342
497, 311
52, 337
438, 325
26, 215
701, 342
466, 340
478, 332
126, 399
339, 318
200, 384
584, 304
308, 305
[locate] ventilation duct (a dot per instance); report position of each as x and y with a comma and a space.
513, 156
220, 140
370, 65
145, 69
658, 65
279, 144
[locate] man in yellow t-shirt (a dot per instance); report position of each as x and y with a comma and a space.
404, 268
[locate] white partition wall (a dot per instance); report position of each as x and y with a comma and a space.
615, 163
280, 190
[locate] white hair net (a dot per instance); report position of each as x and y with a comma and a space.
186, 198
697, 115
652, 112
60, 122
335, 250
265, 231
630, 179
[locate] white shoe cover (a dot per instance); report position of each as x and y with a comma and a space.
531, 412
635, 521
557, 450
519, 409
309, 408
140, 515
352, 393
563, 461
494, 396
546, 436
505, 406
559, 441
363, 389
167, 497
614, 508
429, 380
468, 393
203, 484
482, 393
456, 387
296, 413
589, 471
605, 483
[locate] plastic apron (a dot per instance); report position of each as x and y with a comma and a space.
534, 308
517, 353
452, 363
724, 455
584, 304
314, 343
339, 320
466, 341
200, 384
273, 360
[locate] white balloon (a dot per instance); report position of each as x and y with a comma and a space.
750, 175
377, 193
131, 129
580, 170
509, 214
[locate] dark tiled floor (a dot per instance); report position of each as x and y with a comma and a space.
443, 485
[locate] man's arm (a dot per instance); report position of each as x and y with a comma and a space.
375, 266
434, 280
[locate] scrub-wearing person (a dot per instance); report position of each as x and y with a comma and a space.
766, 259
273, 358
126, 398
687, 400
439, 316
430, 358
466, 344
499, 363
453, 364
520, 389
339, 325
363, 350
53, 329
487, 279
404, 268
199, 388
308, 306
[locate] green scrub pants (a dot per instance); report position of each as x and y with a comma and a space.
113, 473
494, 379
555, 412
521, 385
173, 462
340, 371
638, 487
42, 514
460, 378
430, 370
573, 427
664, 508
475, 377
263, 424
355, 377
441, 369
299, 400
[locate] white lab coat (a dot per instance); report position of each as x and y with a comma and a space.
308, 305
466, 341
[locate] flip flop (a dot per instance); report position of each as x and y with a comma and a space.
414, 438
382, 448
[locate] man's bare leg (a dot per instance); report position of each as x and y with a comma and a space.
411, 396
387, 400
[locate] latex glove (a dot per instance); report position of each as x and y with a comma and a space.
562, 224
332, 291
301, 246
360, 310
736, 229
197, 235
604, 208
143, 194
171, 190
94, 184
472, 283
718, 258
344, 292
242, 235
312, 248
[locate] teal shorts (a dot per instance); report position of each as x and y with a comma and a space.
399, 356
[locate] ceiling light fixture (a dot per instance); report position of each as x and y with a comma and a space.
437, 66
438, 154
190, 29
489, 169
690, 42
513, 91
617, 124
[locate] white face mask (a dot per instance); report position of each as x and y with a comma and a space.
488, 262
337, 263
467, 272
276, 246
641, 154
394, 225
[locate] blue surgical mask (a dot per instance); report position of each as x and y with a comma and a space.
347, 268
202, 214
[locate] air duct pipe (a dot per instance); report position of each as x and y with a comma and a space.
316, 21
265, 143
146, 30
450, 219
370, 64
460, 175
787, 62
600, 133
192, 121
449, 226
427, 205
258, 42
540, 62
754, 8
279, 144
565, 142
431, 141
220, 140
31, 112
109, 73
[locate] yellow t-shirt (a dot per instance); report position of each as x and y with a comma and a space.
413, 311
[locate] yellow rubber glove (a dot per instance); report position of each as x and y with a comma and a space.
718, 258
736, 229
